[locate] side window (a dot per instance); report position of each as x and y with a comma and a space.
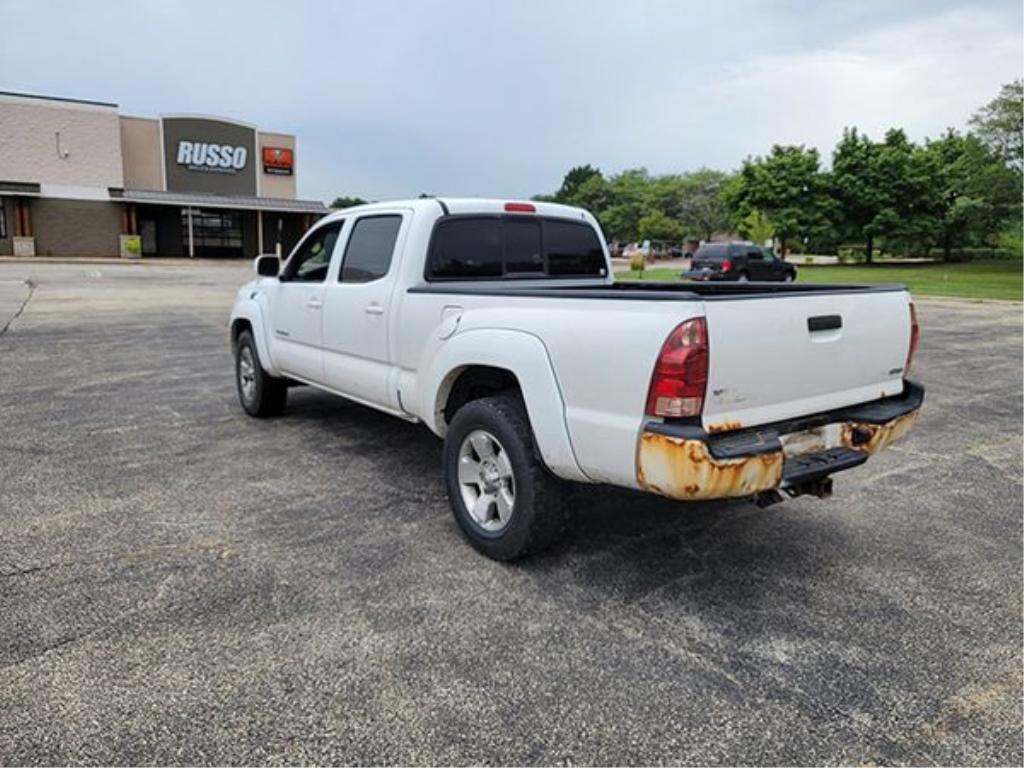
756, 254
370, 248
521, 241
572, 249
309, 264
466, 247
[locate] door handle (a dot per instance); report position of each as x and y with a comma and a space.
824, 323
314, 303
374, 309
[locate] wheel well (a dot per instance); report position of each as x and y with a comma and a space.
475, 382
237, 327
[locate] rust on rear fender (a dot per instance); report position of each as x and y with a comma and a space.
871, 438
685, 470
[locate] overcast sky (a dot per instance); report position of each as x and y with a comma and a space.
500, 98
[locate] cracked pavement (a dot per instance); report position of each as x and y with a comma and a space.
182, 584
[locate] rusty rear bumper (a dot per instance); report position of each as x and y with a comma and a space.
684, 462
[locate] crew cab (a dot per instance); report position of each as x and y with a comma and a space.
500, 327
740, 262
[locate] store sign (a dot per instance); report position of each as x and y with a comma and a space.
278, 161
209, 155
211, 158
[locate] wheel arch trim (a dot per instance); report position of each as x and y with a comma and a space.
524, 356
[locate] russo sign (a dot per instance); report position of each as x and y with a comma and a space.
215, 158
209, 154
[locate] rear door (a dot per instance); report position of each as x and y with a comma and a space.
357, 302
790, 355
757, 267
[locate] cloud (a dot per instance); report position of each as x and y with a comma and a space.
924, 76
459, 97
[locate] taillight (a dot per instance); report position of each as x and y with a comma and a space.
915, 335
520, 208
681, 372
726, 265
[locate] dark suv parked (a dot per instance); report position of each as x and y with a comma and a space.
738, 261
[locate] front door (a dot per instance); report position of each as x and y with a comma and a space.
147, 231
356, 311
296, 314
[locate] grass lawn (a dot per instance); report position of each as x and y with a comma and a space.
972, 280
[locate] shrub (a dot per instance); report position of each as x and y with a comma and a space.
973, 254
848, 254
637, 263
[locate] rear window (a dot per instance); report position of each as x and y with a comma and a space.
712, 252
495, 247
572, 249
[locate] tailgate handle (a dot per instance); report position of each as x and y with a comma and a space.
824, 323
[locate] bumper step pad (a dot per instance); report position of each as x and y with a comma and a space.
803, 469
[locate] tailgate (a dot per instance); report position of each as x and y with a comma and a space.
782, 356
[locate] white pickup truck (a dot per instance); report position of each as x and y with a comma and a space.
500, 327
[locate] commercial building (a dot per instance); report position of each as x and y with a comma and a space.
77, 178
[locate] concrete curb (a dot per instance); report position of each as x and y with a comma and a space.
151, 262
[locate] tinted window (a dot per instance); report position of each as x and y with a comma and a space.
466, 248
310, 262
369, 250
521, 238
572, 249
499, 246
712, 252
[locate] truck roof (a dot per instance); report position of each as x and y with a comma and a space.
464, 205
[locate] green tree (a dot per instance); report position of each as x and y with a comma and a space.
625, 204
656, 225
881, 189
574, 179
756, 228
788, 187
347, 202
1000, 124
977, 194
702, 206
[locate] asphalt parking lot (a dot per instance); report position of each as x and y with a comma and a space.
182, 584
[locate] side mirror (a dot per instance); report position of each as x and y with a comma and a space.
268, 265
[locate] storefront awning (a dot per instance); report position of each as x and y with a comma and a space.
199, 200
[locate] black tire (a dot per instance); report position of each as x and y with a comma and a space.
267, 394
742, 277
538, 513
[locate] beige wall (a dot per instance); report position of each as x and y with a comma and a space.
272, 185
76, 227
89, 133
140, 149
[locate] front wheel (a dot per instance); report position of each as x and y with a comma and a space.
504, 499
260, 393
743, 278
789, 277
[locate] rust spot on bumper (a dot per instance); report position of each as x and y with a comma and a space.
725, 426
871, 438
684, 469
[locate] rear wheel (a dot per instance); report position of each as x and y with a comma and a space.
504, 499
789, 277
743, 277
259, 393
